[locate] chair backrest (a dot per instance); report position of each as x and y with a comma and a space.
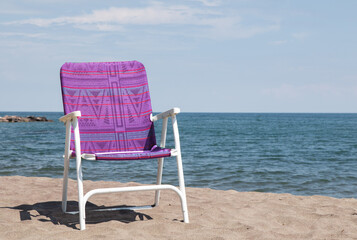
114, 100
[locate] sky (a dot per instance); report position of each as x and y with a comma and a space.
200, 55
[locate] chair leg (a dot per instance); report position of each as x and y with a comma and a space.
81, 205
161, 161
67, 153
180, 168
182, 188
81, 202
159, 180
65, 184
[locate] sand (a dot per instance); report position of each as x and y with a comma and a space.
30, 208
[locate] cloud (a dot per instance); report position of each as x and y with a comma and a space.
21, 34
17, 11
300, 35
151, 15
210, 3
197, 22
278, 42
101, 27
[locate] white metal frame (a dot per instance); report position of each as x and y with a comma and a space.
71, 120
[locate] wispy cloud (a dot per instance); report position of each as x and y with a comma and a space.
151, 15
22, 34
210, 3
9, 11
278, 42
208, 22
299, 35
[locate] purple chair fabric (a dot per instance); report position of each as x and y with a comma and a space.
115, 104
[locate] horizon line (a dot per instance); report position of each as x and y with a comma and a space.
205, 112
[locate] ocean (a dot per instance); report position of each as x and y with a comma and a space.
297, 153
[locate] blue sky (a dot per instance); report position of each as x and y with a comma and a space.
200, 55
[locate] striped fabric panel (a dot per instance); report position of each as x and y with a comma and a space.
114, 100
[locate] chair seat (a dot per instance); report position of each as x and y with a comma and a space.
156, 152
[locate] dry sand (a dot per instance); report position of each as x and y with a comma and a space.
30, 208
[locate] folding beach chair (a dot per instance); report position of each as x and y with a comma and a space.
108, 116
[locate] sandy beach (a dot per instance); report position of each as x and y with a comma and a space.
30, 208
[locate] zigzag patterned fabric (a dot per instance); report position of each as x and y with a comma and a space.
115, 104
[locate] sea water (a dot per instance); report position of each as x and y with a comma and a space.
302, 154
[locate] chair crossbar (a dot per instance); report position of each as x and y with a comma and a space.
132, 189
91, 157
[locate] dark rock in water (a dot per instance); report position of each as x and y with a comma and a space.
24, 119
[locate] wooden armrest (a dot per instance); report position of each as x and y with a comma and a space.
70, 116
169, 113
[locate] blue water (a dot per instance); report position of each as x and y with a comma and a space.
303, 154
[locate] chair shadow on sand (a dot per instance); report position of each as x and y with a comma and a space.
52, 211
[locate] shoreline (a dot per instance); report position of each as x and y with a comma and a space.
30, 208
